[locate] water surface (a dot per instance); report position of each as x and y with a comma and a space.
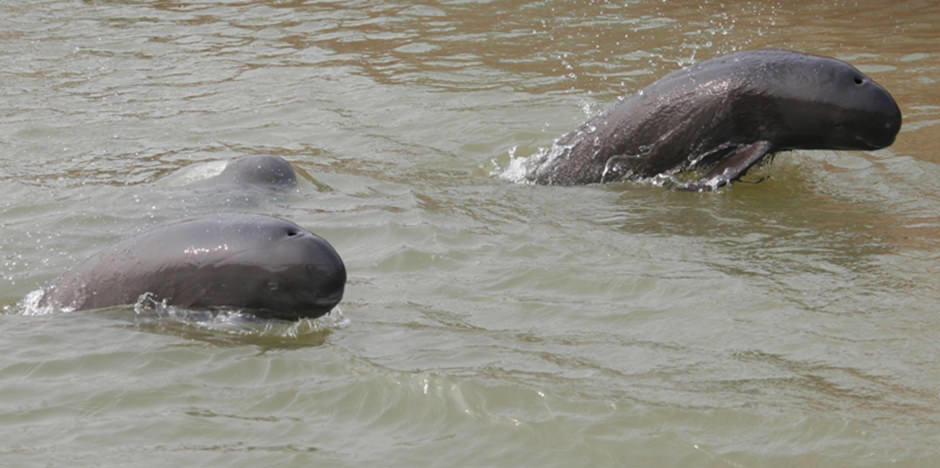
787, 323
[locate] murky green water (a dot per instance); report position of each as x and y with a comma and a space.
788, 323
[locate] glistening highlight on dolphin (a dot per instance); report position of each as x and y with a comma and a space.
267, 266
721, 116
261, 171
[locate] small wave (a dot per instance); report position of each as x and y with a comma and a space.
670, 181
217, 325
152, 314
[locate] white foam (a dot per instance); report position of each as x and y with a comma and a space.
29, 305
516, 170
232, 321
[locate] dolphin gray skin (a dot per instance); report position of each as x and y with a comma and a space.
723, 115
269, 266
258, 171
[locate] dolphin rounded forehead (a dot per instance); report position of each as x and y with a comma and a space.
762, 64
781, 75
238, 223
262, 170
216, 233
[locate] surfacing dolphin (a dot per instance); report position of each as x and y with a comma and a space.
262, 171
721, 116
267, 266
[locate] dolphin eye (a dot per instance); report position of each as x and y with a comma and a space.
292, 232
859, 80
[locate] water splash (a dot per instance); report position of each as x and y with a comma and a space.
519, 169
30, 306
618, 168
217, 325
670, 181
515, 171
152, 313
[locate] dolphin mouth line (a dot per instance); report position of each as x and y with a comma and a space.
871, 144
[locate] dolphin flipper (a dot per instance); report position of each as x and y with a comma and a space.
732, 167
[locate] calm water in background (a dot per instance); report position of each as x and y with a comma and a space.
791, 322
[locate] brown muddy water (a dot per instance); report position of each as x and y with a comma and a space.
793, 322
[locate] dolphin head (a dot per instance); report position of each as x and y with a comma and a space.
823, 103
270, 266
303, 275
260, 171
